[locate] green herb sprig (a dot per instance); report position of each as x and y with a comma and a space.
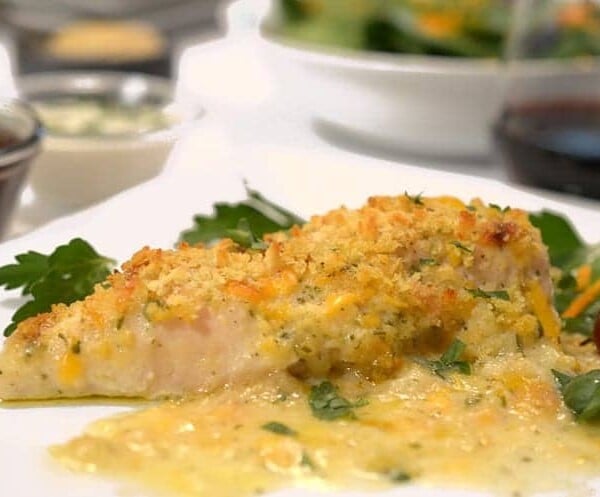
245, 222
64, 276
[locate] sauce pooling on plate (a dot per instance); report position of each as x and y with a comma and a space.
96, 116
502, 429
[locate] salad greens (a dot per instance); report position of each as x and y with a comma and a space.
437, 27
580, 270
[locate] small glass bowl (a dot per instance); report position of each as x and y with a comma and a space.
75, 171
20, 136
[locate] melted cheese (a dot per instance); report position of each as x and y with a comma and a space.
502, 428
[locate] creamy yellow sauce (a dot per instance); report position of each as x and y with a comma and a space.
502, 429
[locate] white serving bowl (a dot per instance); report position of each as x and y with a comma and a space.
431, 105
77, 171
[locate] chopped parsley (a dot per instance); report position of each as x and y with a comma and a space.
498, 294
307, 461
462, 247
279, 429
451, 360
326, 404
398, 476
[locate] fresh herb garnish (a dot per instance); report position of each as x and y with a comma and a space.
581, 394
462, 247
497, 294
415, 199
426, 261
244, 236
449, 361
66, 275
327, 404
279, 429
245, 222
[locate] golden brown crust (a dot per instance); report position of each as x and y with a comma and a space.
351, 288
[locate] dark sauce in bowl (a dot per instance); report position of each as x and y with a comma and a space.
553, 144
20, 134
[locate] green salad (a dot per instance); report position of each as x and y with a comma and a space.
458, 28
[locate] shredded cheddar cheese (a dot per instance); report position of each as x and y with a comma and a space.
544, 311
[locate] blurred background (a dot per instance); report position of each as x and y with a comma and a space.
502, 89
50, 34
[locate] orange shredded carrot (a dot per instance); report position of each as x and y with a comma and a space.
544, 311
583, 300
584, 277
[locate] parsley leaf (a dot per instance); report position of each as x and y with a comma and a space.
581, 394
449, 361
245, 222
326, 404
66, 275
30, 267
279, 429
498, 294
244, 236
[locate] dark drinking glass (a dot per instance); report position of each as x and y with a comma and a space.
548, 132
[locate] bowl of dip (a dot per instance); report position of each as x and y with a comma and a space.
20, 134
105, 132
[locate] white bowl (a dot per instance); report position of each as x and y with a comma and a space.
432, 105
77, 171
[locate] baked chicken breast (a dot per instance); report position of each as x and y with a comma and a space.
353, 290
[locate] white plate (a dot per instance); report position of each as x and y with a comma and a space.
154, 213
